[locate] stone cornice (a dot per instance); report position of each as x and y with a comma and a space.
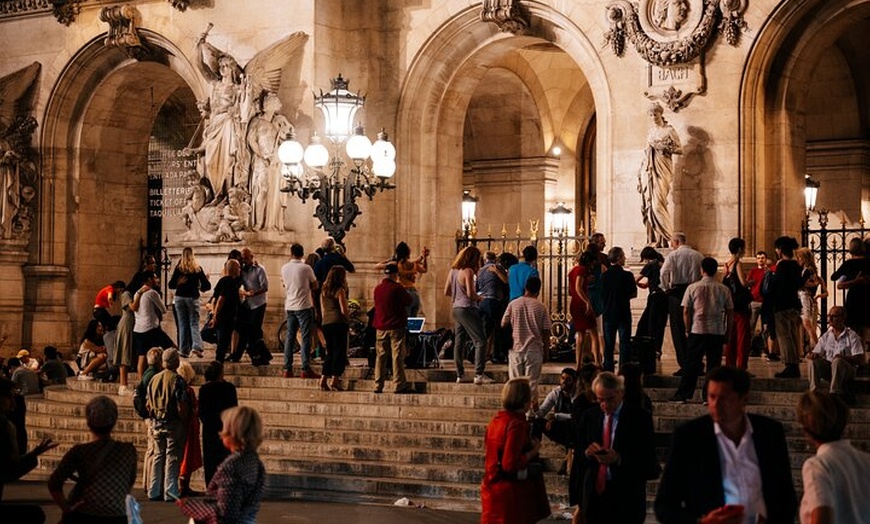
64, 11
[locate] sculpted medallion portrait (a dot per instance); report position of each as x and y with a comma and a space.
668, 20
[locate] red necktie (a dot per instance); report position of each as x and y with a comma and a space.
601, 479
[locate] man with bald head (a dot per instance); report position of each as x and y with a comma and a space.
837, 354
253, 309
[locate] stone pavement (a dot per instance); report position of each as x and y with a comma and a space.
280, 512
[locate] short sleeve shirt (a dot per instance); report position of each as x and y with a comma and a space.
297, 277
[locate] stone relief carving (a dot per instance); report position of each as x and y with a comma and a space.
65, 11
241, 131
671, 36
122, 30
656, 176
18, 159
508, 15
181, 5
680, 28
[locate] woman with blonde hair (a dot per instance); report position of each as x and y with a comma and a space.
512, 492
188, 280
467, 322
236, 489
335, 315
812, 290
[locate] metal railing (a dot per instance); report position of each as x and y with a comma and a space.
555, 259
830, 247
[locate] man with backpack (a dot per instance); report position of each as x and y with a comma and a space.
169, 408
140, 404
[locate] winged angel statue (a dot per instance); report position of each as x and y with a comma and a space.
241, 131
18, 174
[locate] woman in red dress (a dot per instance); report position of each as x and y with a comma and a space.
582, 313
192, 459
511, 493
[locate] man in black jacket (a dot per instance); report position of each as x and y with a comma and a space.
752, 478
614, 458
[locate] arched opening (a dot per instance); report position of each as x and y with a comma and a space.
805, 107
450, 84
105, 113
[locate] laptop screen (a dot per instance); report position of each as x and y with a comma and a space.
415, 324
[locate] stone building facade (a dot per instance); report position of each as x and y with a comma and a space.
525, 102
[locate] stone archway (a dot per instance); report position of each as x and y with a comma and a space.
775, 93
92, 207
431, 117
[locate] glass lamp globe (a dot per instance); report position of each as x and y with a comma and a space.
339, 107
383, 167
359, 146
316, 155
290, 152
382, 149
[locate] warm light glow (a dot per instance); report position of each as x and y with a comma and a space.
359, 146
556, 150
290, 151
811, 192
339, 106
316, 155
560, 219
384, 168
469, 207
382, 148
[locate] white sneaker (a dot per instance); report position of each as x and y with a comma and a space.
82, 376
482, 379
124, 391
461, 379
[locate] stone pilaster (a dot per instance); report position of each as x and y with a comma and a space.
13, 255
46, 318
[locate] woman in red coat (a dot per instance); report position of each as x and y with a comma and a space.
511, 492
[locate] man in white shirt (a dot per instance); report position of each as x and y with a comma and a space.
682, 267
836, 356
835, 479
530, 326
713, 473
299, 281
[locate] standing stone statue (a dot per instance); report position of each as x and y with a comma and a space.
265, 133
656, 177
222, 142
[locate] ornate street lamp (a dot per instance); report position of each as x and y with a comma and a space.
560, 219
811, 191
335, 191
469, 220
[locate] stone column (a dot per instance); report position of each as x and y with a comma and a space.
46, 318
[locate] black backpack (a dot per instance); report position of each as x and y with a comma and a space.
140, 399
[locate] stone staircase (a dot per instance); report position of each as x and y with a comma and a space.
358, 446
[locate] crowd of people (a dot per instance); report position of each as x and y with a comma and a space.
603, 420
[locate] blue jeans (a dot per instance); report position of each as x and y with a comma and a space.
298, 321
168, 438
610, 330
187, 316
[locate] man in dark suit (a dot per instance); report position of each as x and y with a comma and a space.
614, 458
618, 288
752, 478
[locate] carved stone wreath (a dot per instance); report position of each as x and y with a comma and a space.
625, 24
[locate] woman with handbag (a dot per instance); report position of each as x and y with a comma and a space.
188, 280
513, 491
104, 470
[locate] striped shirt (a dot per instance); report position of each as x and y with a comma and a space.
528, 319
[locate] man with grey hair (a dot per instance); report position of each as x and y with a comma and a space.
252, 310
682, 267
614, 457
154, 358
170, 410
